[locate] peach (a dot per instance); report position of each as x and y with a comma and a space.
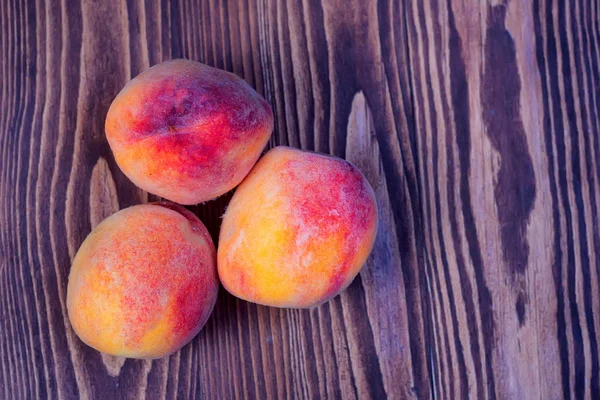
297, 231
186, 131
144, 282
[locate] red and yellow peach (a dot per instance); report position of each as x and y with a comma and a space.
144, 282
297, 231
186, 131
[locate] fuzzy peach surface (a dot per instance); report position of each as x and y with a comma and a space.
144, 282
297, 231
186, 131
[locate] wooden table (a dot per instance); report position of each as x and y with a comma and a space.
477, 123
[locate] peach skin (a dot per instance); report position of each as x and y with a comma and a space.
144, 282
297, 231
186, 131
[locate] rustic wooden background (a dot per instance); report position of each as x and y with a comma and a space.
477, 122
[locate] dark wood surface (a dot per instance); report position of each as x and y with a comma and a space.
477, 123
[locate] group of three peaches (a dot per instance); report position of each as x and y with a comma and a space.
297, 231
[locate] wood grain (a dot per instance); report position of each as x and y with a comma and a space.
477, 124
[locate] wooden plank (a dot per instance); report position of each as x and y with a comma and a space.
476, 123
508, 132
